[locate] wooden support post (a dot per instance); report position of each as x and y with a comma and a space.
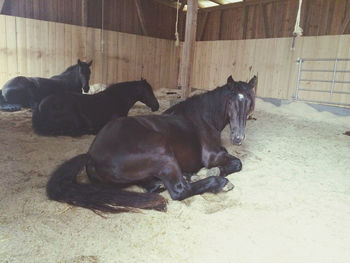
84, 13
141, 17
188, 48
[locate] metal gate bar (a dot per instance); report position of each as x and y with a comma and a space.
333, 81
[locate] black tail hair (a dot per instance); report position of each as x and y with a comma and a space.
4, 106
63, 187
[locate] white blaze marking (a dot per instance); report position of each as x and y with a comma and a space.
240, 96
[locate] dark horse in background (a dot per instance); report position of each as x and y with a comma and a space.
27, 92
147, 150
75, 114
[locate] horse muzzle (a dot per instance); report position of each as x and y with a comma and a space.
155, 107
86, 88
237, 139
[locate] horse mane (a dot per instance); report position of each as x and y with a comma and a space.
207, 99
119, 86
66, 72
123, 84
69, 70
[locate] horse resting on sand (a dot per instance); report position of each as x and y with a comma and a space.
154, 149
76, 114
22, 92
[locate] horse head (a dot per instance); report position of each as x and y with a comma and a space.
84, 74
147, 96
240, 104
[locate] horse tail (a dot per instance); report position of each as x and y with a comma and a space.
63, 187
4, 106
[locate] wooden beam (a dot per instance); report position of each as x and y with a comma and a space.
2, 3
235, 5
202, 26
216, 2
84, 12
165, 2
141, 17
188, 48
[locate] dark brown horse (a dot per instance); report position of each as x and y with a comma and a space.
147, 150
28, 92
75, 114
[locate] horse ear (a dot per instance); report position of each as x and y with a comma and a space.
79, 62
230, 79
252, 83
89, 63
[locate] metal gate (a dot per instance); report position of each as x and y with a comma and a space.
331, 82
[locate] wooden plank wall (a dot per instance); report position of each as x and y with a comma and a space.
274, 62
258, 19
119, 15
40, 48
274, 19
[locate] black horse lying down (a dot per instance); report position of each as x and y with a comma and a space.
28, 92
77, 114
145, 150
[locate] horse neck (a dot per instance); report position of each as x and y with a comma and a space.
71, 75
210, 110
125, 96
134, 96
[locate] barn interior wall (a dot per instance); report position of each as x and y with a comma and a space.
255, 19
274, 19
40, 48
275, 63
118, 15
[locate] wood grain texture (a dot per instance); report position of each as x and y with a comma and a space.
250, 20
42, 49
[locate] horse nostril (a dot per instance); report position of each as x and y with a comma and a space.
237, 140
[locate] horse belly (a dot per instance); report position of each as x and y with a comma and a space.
188, 154
125, 152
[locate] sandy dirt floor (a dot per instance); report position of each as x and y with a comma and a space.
291, 201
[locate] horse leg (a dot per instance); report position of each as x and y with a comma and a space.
152, 185
180, 189
225, 162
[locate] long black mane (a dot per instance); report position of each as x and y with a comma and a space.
212, 104
121, 85
67, 72
208, 100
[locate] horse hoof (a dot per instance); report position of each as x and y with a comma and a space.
215, 171
228, 187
